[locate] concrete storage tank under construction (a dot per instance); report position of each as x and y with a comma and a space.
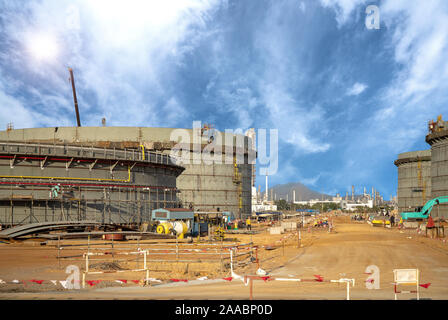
205, 187
438, 139
52, 182
414, 179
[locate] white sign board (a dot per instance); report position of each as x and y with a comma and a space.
406, 276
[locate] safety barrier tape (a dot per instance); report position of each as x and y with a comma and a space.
244, 279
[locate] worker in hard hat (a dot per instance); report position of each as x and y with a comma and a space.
248, 224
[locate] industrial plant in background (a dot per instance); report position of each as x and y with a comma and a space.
288, 193
423, 175
112, 175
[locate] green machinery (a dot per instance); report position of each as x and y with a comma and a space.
424, 213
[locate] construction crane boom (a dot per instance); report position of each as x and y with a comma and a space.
72, 80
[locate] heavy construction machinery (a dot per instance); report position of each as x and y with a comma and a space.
219, 234
380, 221
425, 212
178, 228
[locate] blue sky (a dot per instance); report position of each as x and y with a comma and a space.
345, 99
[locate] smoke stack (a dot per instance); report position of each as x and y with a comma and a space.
267, 187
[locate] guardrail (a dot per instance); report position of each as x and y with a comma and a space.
88, 152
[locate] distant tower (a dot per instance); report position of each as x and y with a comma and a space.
353, 193
293, 195
346, 196
267, 187
253, 137
9, 126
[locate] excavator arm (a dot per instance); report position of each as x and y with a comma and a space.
431, 203
426, 210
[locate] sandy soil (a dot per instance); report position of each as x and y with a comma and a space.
345, 253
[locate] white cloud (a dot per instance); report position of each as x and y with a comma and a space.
417, 34
295, 120
421, 38
310, 181
356, 89
13, 111
342, 8
174, 111
123, 54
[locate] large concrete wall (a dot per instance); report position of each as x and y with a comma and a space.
439, 168
207, 186
104, 185
414, 179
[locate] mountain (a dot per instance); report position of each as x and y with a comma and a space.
303, 193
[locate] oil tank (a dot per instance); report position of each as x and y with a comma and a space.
223, 186
437, 138
42, 182
414, 179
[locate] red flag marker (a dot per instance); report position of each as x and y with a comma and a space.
122, 280
228, 278
425, 285
370, 280
319, 278
135, 281
265, 278
37, 281
93, 282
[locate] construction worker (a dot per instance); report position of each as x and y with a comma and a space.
430, 225
392, 220
248, 224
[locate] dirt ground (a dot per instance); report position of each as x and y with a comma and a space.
344, 253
